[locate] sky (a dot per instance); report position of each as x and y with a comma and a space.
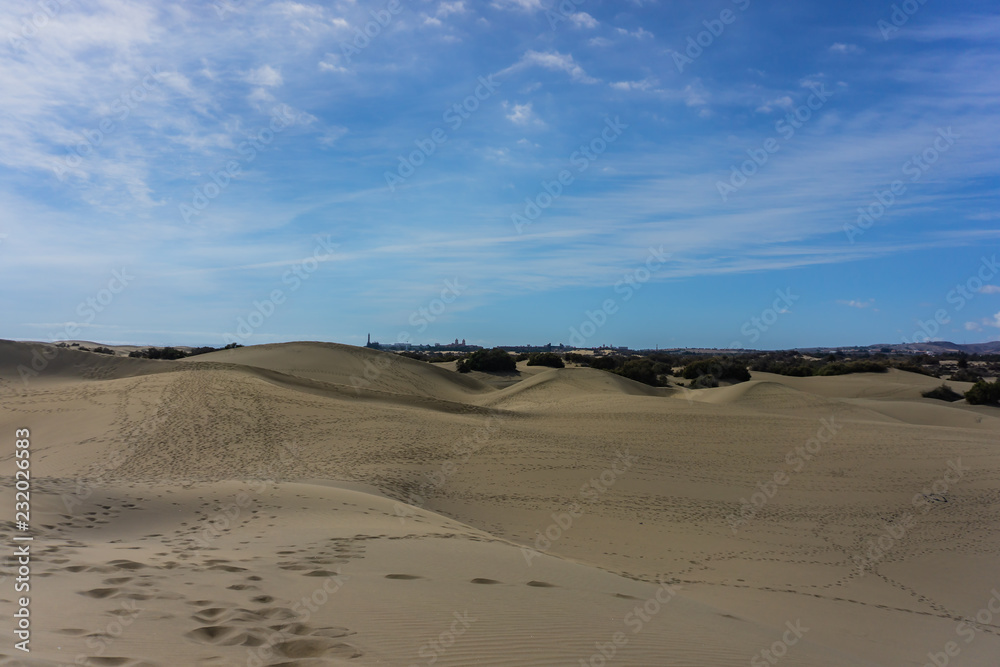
642, 173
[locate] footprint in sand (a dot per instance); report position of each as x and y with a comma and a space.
404, 577
480, 580
297, 649
100, 593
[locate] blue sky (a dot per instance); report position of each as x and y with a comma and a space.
197, 173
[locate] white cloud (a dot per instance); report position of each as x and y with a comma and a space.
264, 76
332, 64
784, 102
839, 47
644, 85
990, 289
552, 60
695, 96
583, 20
973, 326
330, 136
854, 303
520, 114
640, 33
448, 8
520, 5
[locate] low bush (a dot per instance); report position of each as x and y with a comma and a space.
965, 375
606, 363
704, 382
984, 393
496, 360
910, 367
721, 368
169, 353
847, 367
550, 359
943, 393
640, 370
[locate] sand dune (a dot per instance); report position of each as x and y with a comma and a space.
352, 366
568, 385
183, 510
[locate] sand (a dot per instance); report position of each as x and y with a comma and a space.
319, 504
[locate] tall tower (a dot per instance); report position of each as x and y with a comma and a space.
369, 340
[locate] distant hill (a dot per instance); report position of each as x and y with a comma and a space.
940, 347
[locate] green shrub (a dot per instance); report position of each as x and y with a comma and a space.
103, 350
847, 367
943, 393
984, 393
606, 363
640, 370
169, 353
704, 382
721, 368
965, 375
577, 358
496, 360
550, 359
